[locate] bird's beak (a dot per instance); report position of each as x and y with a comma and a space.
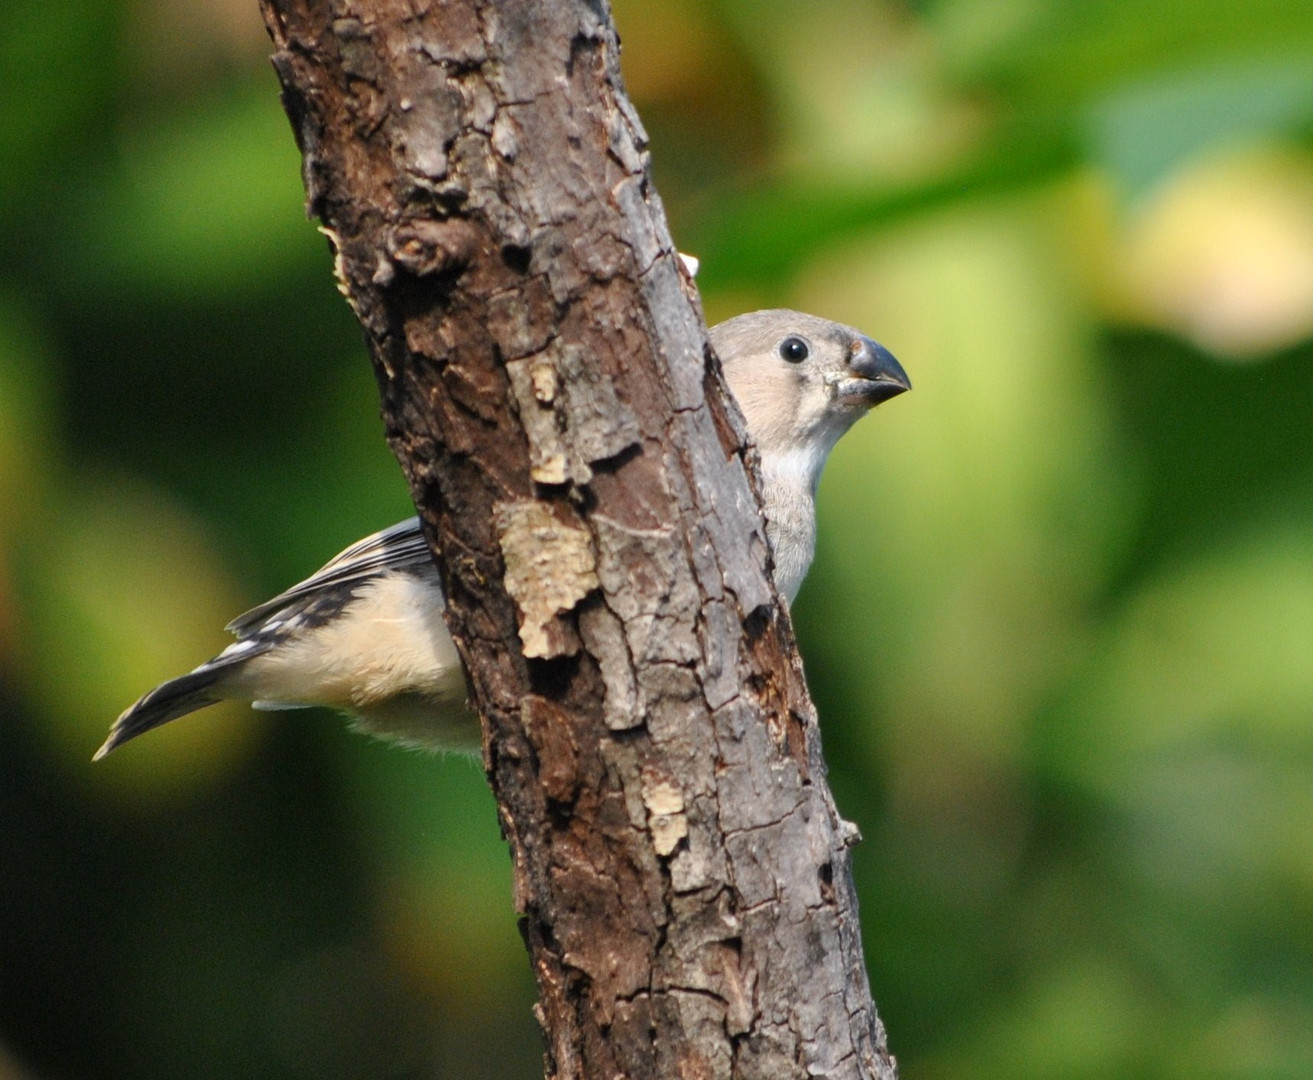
877, 376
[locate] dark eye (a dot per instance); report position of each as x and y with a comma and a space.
794, 350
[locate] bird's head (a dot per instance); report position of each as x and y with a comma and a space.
802, 382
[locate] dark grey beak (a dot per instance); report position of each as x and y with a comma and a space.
874, 363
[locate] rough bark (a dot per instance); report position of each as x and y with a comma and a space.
546, 383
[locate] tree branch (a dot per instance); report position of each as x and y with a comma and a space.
681, 868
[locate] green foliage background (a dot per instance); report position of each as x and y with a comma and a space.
1060, 629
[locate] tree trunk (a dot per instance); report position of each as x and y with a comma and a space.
679, 863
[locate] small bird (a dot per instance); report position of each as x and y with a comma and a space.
365, 633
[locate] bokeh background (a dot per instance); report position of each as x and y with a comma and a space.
1060, 629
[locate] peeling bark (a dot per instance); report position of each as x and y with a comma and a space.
547, 386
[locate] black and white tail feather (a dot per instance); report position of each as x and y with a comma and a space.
288, 622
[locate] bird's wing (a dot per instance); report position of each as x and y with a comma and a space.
401, 547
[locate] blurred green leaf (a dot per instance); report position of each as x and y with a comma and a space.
1061, 54
1218, 647
119, 592
1141, 132
29, 408
769, 234
55, 62
203, 202
1081, 1019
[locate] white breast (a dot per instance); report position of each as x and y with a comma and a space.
790, 481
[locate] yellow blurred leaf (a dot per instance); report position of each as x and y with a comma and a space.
121, 591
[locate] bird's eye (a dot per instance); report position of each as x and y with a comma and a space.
794, 350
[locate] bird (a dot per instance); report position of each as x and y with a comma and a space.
365, 633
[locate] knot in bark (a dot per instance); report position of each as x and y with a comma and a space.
423, 248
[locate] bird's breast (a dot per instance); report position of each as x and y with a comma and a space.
791, 530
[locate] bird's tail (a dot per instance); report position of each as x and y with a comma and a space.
166, 702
